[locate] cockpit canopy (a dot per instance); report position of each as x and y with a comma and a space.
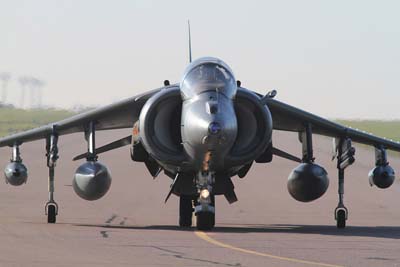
208, 74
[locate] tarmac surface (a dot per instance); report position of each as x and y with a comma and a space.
131, 225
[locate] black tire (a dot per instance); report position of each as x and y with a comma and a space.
51, 214
341, 219
205, 220
185, 211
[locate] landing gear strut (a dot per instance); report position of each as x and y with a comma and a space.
345, 157
51, 207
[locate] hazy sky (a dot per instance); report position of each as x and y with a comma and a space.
334, 58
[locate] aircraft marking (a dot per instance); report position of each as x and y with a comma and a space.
207, 238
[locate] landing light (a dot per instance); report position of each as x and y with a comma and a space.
204, 194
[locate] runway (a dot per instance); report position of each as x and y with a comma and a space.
131, 225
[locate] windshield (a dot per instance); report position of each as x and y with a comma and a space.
208, 77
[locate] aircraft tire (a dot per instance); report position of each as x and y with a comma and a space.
51, 214
205, 220
185, 211
341, 219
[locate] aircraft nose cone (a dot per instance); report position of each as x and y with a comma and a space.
214, 128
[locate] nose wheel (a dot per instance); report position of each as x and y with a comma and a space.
205, 215
205, 220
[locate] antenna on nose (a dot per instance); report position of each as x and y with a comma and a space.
190, 43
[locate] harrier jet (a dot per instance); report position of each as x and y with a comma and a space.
201, 132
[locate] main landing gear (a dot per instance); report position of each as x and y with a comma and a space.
185, 211
51, 208
345, 157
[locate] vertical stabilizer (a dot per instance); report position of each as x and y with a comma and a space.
190, 43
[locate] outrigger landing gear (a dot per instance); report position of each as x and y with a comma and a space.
345, 157
51, 208
341, 212
205, 205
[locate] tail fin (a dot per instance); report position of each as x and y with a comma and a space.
190, 44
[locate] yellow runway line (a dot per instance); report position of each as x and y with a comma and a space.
207, 238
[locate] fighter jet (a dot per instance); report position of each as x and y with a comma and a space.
201, 132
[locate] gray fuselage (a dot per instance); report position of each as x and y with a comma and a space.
208, 123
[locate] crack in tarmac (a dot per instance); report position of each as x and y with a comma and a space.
123, 221
180, 255
104, 234
207, 261
379, 259
109, 220
108, 224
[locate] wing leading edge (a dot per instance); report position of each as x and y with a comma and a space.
289, 118
118, 115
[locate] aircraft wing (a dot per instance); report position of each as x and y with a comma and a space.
118, 115
289, 118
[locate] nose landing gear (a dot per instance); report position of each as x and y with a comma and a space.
205, 204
